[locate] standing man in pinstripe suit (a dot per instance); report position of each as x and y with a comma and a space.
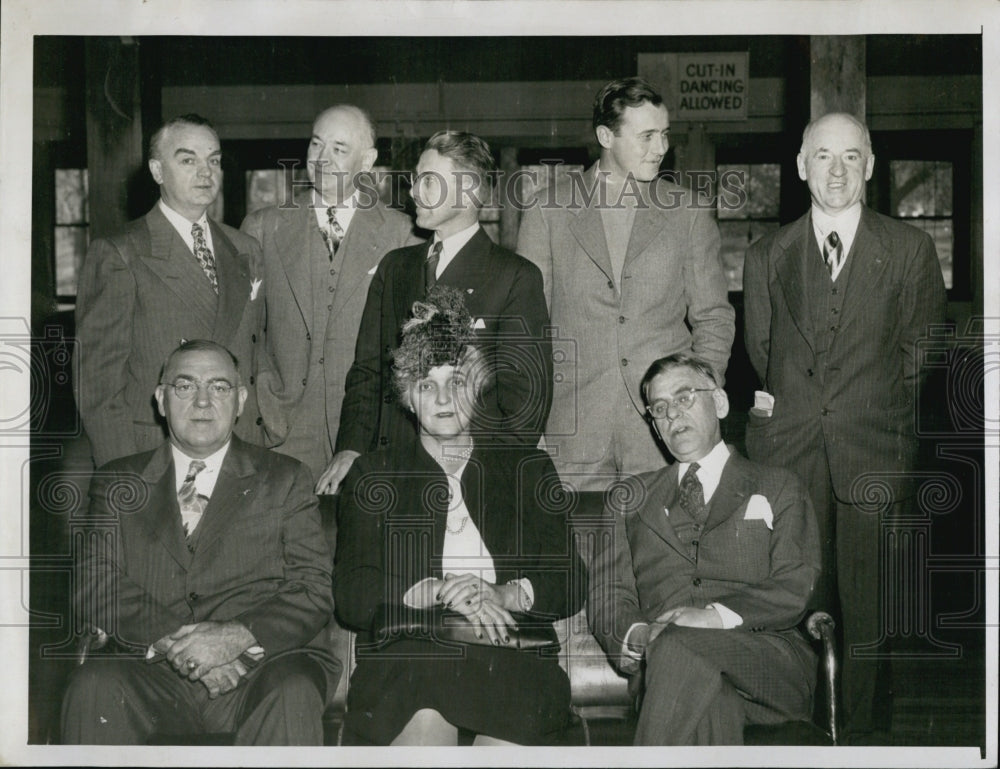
707, 574
835, 304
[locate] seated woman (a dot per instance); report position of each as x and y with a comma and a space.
475, 528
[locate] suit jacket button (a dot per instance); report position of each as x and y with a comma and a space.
387, 399
383, 441
308, 337
251, 380
835, 329
303, 382
809, 371
611, 284
320, 361
260, 420
825, 412
253, 339
624, 361
193, 596
696, 581
621, 318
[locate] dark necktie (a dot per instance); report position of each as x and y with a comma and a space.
192, 503
431, 265
833, 253
333, 233
692, 494
204, 255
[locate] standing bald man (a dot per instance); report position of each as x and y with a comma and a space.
319, 256
835, 304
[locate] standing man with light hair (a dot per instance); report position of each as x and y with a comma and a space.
172, 275
835, 305
503, 292
632, 273
320, 254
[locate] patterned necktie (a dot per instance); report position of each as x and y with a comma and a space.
192, 503
204, 255
833, 253
692, 494
333, 233
431, 265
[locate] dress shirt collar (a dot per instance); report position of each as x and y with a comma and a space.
205, 480
451, 245
710, 469
845, 224
183, 226
345, 211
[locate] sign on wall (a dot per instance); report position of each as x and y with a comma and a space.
700, 87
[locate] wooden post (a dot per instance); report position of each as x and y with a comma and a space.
114, 130
510, 216
837, 75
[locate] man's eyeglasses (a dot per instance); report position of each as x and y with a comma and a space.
185, 389
683, 402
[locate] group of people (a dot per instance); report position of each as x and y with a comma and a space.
228, 377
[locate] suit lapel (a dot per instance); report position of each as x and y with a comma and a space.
649, 222
175, 265
361, 254
294, 238
234, 285
870, 257
663, 496
162, 518
470, 267
790, 269
731, 493
234, 489
588, 229
408, 283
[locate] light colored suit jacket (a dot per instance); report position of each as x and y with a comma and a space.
764, 574
607, 337
261, 557
140, 293
859, 407
289, 237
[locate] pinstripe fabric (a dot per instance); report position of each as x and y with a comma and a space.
141, 291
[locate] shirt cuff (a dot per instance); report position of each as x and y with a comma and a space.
730, 619
525, 584
628, 651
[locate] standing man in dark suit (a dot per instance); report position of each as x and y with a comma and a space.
835, 304
503, 294
210, 561
632, 272
708, 572
319, 257
170, 276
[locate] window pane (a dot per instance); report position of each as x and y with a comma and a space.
944, 239
71, 245
71, 196
736, 238
749, 191
920, 188
262, 188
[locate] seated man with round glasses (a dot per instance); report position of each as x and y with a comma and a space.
207, 570
707, 575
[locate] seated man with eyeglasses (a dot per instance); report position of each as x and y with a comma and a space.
207, 568
700, 589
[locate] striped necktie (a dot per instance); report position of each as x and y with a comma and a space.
192, 503
431, 265
833, 254
333, 233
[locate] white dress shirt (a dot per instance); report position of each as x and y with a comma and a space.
345, 211
451, 245
183, 226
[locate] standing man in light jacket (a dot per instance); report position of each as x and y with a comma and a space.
632, 273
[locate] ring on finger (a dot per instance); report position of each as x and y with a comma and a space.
191, 664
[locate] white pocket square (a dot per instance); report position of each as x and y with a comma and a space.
759, 509
478, 325
255, 287
372, 270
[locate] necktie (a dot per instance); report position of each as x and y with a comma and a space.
692, 494
833, 253
334, 233
204, 255
192, 503
431, 265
